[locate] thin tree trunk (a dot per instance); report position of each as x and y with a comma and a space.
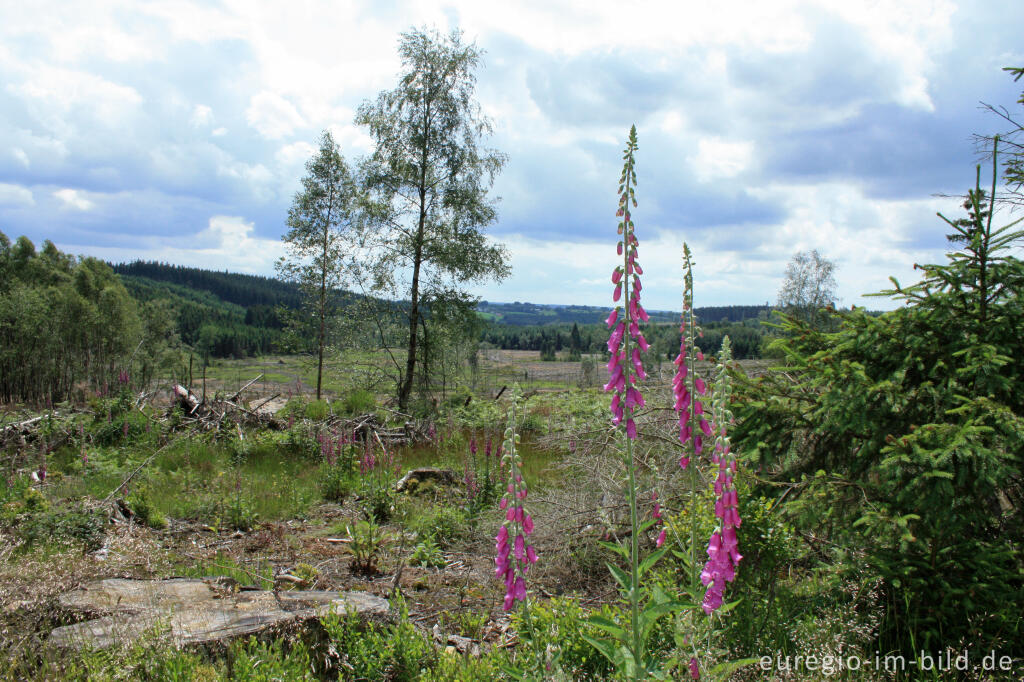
414, 294
323, 296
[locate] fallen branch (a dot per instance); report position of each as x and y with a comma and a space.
237, 393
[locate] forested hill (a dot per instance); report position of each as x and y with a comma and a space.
249, 291
533, 314
243, 290
223, 314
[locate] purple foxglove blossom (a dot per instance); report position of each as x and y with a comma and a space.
642, 342
661, 538
630, 429
700, 385
612, 317
684, 462
618, 293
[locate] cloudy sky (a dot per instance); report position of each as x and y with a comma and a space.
177, 131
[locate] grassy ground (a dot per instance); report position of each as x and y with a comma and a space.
255, 504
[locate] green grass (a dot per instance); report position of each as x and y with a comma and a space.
198, 480
259, 573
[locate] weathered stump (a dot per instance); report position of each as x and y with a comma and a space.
422, 474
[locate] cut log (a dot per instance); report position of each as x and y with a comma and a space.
195, 611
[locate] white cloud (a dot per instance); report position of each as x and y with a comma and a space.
295, 154
15, 195
202, 116
273, 116
73, 198
227, 243
21, 156
717, 158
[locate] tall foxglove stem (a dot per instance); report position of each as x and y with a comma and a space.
625, 366
688, 388
723, 551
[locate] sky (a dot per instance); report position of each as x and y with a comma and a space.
178, 131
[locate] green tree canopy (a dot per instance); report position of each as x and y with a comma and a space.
900, 438
317, 238
427, 181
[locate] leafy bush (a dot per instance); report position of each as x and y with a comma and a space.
563, 623
359, 401
335, 483
442, 524
140, 504
371, 652
76, 524
317, 410
239, 514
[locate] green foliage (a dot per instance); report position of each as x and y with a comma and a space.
316, 241
909, 426
336, 483
359, 401
139, 502
239, 513
373, 652
427, 182
366, 543
564, 625
442, 524
63, 322
317, 410
255, 661
427, 554
74, 523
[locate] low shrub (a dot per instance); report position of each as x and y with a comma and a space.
359, 401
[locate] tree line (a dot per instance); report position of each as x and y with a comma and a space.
68, 325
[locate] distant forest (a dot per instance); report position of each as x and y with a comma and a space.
223, 314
